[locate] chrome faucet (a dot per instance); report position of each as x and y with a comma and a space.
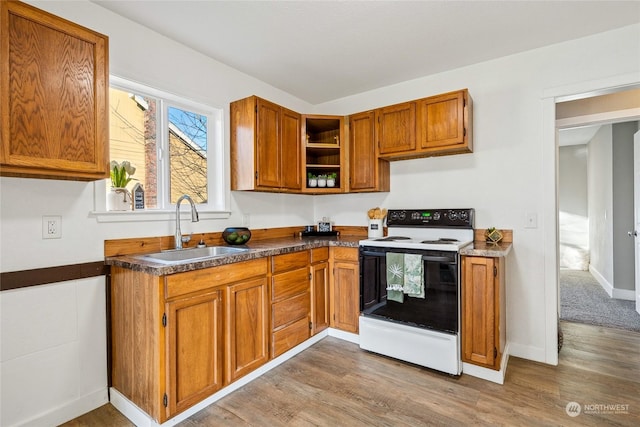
194, 218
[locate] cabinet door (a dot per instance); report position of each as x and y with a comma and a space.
367, 173
443, 123
319, 297
53, 96
345, 296
268, 144
247, 327
290, 149
478, 308
194, 349
396, 128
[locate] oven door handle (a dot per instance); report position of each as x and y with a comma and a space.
442, 259
429, 258
378, 254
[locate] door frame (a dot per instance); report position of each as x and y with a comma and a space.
549, 98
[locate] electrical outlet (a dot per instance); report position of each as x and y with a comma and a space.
51, 227
246, 220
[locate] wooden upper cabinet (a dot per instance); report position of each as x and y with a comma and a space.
396, 131
265, 146
268, 146
366, 171
291, 147
444, 123
324, 154
53, 96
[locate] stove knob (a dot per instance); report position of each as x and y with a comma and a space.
402, 215
436, 216
463, 215
453, 215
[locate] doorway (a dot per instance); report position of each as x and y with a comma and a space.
595, 211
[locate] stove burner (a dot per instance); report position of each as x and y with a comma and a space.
441, 241
392, 238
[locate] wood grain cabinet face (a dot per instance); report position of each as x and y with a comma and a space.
483, 326
444, 123
345, 289
290, 301
195, 349
396, 128
247, 324
265, 146
319, 289
53, 96
367, 172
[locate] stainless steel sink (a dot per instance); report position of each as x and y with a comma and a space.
193, 254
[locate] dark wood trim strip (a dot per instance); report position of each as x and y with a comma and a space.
43, 276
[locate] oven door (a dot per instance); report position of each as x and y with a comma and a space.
438, 311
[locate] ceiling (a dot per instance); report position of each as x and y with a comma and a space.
319, 51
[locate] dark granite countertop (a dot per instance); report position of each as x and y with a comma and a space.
258, 249
485, 249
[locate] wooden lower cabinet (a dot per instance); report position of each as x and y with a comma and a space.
167, 336
319, 290
247, 324
345, 289
483, 311
290, 301
177, 339
194, 348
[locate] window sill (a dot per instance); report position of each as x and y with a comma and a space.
154, 215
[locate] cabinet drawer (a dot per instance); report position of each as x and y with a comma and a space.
197, 280
319, 255
289, 310
289, 261
345, 254
291, 336
285, 285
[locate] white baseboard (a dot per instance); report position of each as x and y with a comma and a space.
486, 373
624, 294
346, 336
69, 411
141, 419
608, 287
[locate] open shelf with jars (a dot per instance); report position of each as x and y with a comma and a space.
324, 153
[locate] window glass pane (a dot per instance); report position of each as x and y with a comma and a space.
188, 154
133, 139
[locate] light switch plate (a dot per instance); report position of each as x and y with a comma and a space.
531, 220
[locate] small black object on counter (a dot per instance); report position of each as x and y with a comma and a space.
236, 235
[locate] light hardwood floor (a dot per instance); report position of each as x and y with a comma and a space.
334, 383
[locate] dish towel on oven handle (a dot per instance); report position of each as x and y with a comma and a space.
395, 277
413, 276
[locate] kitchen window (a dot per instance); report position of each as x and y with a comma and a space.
174, 144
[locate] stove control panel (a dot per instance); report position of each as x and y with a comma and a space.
445, 218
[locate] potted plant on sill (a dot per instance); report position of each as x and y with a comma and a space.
119, 198
313, 180
331, 179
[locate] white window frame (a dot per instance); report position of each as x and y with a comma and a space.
218, 187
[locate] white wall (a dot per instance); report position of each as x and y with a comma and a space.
502, 180
573, 221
